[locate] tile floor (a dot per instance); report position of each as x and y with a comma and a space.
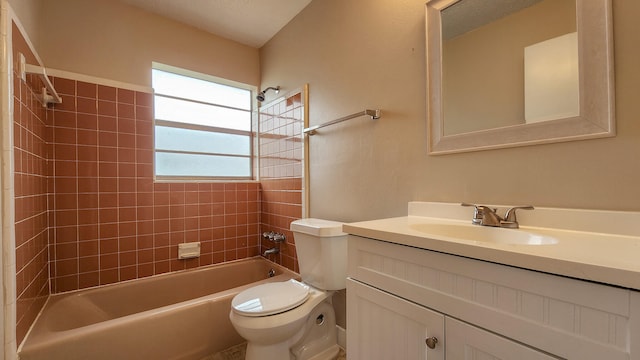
238, 353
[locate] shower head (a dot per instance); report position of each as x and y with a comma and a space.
260, 95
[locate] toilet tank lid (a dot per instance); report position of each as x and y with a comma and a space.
317, 227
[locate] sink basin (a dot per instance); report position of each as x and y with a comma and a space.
483, 234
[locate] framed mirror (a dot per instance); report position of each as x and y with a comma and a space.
505, 73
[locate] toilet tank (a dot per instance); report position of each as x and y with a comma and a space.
322, 252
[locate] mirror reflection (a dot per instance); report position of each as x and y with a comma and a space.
507, 62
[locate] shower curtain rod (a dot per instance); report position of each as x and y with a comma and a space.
374, 114
49, 94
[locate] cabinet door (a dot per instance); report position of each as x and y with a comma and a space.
467, 342
381, 326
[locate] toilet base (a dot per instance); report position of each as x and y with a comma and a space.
316, 339
268, 352
274, 352
319, 341
329, 354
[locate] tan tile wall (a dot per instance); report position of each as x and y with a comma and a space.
111, 221
281, 155
88, 212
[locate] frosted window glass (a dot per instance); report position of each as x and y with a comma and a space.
177, 139
167, 83
192, 165
200, 114
203, 128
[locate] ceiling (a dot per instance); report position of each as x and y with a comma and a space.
250, 22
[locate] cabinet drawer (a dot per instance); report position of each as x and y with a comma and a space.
567, 317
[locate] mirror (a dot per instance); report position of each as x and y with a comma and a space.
504, 73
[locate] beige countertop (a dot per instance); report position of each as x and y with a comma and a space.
584, 250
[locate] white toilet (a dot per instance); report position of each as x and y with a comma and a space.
295, 320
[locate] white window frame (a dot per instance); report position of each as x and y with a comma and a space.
165, 123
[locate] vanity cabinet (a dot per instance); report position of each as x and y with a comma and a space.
389, 327
399, 296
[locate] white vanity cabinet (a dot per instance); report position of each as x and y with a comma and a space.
399, 296
388, 327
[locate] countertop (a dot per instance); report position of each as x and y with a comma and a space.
588, 255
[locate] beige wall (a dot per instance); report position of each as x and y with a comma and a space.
111, 40
360, 54
28, 11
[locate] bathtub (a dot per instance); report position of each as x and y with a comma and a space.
183, 315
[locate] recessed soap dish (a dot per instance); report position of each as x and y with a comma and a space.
189, 250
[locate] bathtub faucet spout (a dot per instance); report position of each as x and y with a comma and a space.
274, 250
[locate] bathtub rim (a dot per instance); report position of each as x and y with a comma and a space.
177, 272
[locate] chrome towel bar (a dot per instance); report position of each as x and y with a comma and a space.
375, 114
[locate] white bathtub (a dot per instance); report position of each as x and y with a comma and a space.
183, 315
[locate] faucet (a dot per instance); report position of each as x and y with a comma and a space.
274, 250
274, 236
486, 216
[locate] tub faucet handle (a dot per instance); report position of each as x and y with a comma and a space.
268, 235
279, 238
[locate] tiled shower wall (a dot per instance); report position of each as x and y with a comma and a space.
87, 208
281, 173
110, 221
30, 183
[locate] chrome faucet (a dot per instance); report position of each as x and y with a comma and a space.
274, 250
275, 237
486, 216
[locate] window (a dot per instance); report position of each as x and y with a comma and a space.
202, 126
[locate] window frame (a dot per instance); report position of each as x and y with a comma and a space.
213, 129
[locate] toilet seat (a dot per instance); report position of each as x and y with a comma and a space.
271, 298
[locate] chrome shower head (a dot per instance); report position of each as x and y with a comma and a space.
260, 95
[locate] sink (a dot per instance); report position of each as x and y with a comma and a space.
483, 234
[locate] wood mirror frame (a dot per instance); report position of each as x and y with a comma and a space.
596, 76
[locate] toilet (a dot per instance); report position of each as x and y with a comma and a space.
292, 319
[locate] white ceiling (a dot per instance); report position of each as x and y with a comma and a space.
250, 22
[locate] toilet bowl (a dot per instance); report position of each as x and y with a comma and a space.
296, 320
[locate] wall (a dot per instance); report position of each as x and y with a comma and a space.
85, 203
28, 11
115, 41
281, 164
359, 54
31, 151
111, 221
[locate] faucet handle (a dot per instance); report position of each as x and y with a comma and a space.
479, 212
510, 216
278, 237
